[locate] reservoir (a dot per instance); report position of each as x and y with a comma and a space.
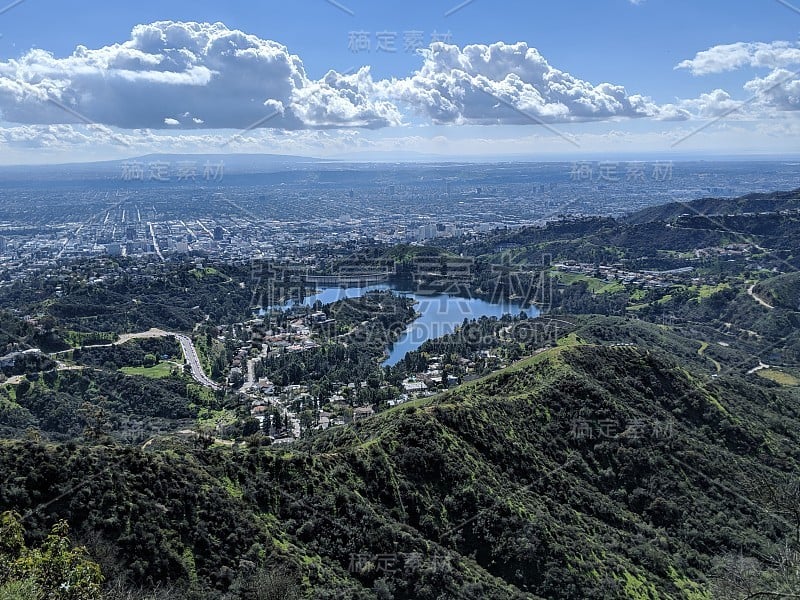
439, 314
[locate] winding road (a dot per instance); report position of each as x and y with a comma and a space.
762, 302
187, 346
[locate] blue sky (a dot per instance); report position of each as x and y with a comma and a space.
630, 45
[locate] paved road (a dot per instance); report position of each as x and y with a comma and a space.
250, 380
190, 354
760, 367
155, 241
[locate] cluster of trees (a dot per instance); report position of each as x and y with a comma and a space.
736, 317
579, 299
29, 363
782, 291
501, 472
323, 366
134, 353
750, 204
15, 333
215, 355
136, 296
510, 337
151, 527
57, 403
363, 329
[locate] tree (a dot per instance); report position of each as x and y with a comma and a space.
203, 438
97, 423
236, 378
23, 387
744, 578
781, 498
307, 419
54, 571
250, 427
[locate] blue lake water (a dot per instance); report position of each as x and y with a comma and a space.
329, 295
440, 314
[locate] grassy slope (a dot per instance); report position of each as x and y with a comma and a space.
159, 371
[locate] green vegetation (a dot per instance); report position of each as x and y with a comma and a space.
205, 272
53, 571
159, 371
213, 418
752, 203
782, 291
598, 286
706, 291
76, 339
92, 403
494, 489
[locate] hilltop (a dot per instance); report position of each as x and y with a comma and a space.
751, 203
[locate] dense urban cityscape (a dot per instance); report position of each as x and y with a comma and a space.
160, 209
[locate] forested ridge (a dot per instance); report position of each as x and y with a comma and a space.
587, 471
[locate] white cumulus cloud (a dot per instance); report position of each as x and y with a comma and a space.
180, 76
507, 84
730, 57
713, 104
231, 78
779, 90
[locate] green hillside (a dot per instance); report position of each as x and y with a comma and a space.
588, 471
782, 291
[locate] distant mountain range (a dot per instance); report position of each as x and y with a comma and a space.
234, 163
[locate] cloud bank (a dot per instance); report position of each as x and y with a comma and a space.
730, 57
507, 84
185, 75
185, 86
